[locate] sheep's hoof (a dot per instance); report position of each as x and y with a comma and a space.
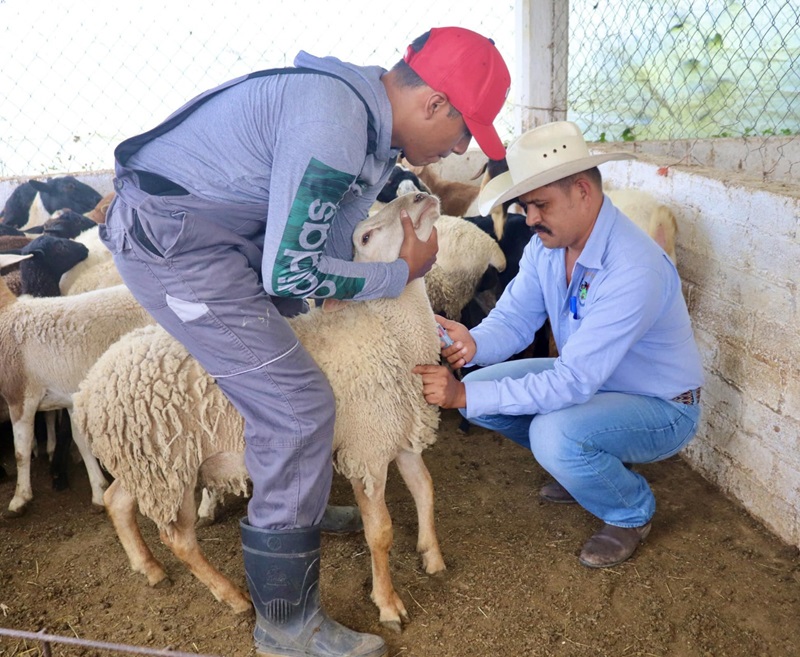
433, 564
98, 508
393, 625
16, 513
164, 583
244, 608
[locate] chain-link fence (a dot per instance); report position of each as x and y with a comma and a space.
674, 69
77, 77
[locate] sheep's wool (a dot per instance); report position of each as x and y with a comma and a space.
153, 415
465, 253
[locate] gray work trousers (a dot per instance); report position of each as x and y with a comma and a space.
200, 280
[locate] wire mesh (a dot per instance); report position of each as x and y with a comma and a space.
78, 77
676, 69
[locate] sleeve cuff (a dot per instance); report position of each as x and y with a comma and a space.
481, 398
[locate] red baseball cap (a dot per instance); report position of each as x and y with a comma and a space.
470, 70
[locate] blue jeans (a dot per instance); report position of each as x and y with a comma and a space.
585, 447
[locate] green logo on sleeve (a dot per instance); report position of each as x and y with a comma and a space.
296, 272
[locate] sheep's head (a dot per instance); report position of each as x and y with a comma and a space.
379, 237
66, 192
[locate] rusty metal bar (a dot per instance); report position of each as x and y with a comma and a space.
46, 639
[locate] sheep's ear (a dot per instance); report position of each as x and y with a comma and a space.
8, 259
39, 186
332, 305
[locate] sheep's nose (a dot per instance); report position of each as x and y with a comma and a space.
420, 197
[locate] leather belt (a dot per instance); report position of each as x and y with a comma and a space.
689, 397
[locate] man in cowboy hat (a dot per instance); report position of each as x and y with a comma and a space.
626, 385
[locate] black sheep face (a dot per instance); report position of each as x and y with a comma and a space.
56, 254
67, 223
52, 256
401, 181
66, 192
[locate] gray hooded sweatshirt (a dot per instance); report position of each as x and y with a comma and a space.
300, 145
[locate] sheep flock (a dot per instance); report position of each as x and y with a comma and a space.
73, 339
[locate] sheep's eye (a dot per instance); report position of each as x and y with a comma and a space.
365, 238
419, 197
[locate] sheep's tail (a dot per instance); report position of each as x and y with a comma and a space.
6, 295
663, 228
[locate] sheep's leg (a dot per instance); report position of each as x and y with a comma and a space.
181, 539
97, 480
121, 508
218, 472
50, 422
22, 425
207, 511
378, 531
419, 482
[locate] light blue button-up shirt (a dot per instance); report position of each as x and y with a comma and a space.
622, 325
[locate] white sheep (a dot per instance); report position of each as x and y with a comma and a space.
96, 272
46, 347
161, 426
465, 254
654, 218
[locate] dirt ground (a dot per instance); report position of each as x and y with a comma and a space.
708, 582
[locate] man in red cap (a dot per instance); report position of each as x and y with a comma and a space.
241, 205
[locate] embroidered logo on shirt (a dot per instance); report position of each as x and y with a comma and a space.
295, 273
583, 290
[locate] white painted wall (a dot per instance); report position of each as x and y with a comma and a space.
738, 256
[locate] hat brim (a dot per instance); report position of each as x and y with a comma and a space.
502, 188
487, 138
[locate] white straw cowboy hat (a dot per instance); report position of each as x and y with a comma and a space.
539, 157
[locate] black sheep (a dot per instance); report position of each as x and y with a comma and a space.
55, 194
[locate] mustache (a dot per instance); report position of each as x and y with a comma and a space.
539, 228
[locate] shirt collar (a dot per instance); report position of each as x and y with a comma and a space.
592, 255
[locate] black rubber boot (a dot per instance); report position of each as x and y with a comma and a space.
341, 520
282, 568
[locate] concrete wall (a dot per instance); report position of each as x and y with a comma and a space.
738, 256
773, 159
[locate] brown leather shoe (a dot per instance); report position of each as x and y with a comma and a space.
612, 545
556, 493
